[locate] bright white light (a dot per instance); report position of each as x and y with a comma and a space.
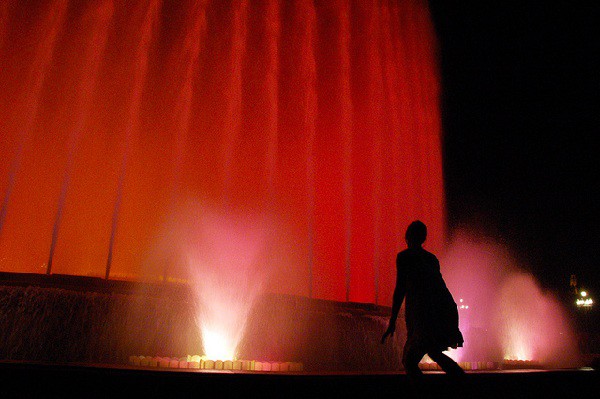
583, 294
216, 346
461, 301
585, 302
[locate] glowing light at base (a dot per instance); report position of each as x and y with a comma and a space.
429, 365
216, 346
529, 320
220, 253
203, 363
512, 364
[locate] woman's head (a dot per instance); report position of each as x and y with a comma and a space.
416, 233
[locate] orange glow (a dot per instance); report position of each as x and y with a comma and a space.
216, 346
322, 115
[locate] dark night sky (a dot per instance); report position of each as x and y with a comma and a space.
520, 116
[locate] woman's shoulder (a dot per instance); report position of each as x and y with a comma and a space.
416, 251
408, 252
417, 255
430, 255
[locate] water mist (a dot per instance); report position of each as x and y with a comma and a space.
223, 255
504, 312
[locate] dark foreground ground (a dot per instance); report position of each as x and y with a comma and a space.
29, 380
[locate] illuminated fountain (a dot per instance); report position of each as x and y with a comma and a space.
236, 149
304, 133
323, 116
511, 321
221, 253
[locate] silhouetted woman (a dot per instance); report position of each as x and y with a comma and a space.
430, 312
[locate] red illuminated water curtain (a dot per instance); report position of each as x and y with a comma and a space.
322, 114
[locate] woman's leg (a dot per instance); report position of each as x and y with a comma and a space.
446, 363
410, 359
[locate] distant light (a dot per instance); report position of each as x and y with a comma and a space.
583, 293
585, 302
467, 307
462, 300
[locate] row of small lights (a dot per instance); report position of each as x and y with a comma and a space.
199, 362
584, 301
